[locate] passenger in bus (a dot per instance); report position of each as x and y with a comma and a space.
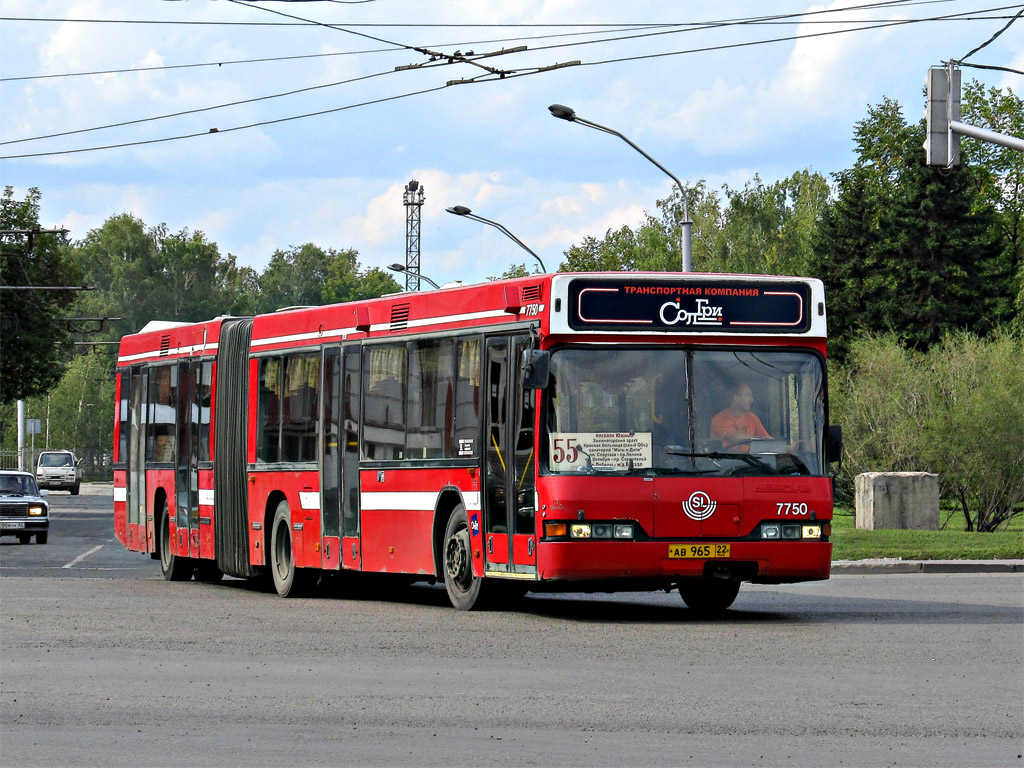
737, 424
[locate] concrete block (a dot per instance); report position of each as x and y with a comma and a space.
907, 500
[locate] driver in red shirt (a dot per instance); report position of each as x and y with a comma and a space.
737, 424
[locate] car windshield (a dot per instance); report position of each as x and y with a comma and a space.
17, 485
55, 460
672, 411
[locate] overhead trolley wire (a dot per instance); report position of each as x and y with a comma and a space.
799, 18
489, 75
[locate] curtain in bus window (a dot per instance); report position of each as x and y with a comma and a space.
430, 398
332, 450
124, 429
268, 434
205, 403
467, 398
350, 469
163, 396
384, 380
300, 414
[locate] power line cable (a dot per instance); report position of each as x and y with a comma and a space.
198, 110
997, 34
992, 66
446, 25
479, 79
794, 18
231, 129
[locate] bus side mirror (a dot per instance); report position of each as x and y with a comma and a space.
834, 445
535, 368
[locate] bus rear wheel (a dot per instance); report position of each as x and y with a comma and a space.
289, 581
173, 568
708, 597
464, 588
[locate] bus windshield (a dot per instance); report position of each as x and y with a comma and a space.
659, 411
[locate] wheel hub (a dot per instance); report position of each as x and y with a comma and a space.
457, 559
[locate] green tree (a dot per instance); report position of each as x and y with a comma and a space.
77, 414
152, 274
907, 248
34, 341
950, 411
308, 275
1002, 177
346, 282
655, 244
763, 229
770, 228
121, 259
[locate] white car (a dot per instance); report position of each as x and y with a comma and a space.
59, 470
23, 510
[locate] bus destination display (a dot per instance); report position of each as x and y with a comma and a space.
689, 306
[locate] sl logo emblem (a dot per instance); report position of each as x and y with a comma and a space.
699, 506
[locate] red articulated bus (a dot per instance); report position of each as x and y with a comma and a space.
566, 432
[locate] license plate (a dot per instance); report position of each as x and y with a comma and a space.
10, 525
698, 550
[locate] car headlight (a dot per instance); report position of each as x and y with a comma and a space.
36, 511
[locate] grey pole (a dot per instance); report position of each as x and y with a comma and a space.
461, 210
567, 113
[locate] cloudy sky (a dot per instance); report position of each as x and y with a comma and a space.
267, 125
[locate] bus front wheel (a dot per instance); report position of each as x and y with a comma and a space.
708, 596
289, 581
173, 568
464, 588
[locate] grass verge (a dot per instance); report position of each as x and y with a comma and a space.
952, 543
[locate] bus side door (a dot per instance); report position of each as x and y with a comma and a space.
508, 499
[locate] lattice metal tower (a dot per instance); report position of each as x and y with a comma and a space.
413, 199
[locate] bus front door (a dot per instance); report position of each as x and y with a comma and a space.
508, 499
140, 536
186, 490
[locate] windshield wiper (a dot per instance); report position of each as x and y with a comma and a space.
744, 457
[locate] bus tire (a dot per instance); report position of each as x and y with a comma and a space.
289, 581
464, 588
708, 597
173, 568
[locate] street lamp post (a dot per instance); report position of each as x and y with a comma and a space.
403, 268
461, 210
566, 113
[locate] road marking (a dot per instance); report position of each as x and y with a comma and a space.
82, 556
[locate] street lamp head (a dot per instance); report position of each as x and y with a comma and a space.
459, 210
562, 112
396, 267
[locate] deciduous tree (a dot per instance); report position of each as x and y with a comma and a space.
34, 341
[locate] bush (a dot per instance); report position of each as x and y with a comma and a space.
957, 411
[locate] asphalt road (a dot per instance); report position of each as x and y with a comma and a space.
104, 663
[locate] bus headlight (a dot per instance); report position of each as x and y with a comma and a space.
790, 531
624, 531
580, 531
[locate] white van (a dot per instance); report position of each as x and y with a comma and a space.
59, 470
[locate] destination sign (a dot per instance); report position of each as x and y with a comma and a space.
689, 306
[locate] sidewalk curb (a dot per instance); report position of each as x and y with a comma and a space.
882, 567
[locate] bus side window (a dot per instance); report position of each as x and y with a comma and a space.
269, 416
467, 398
384, 420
